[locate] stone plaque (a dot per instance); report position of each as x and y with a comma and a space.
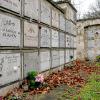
45, 12
62, 22
55, 58
9, 31
55, 38
72, 41
14, 5
91, 43
98, 43
44, 60
62, 39
91, 53
10, 68
45, 37
31, 62
67, 41
32, 9
30, 34
61, 57
68, 26
67, 56
55, 17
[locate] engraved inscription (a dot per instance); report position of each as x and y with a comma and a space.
9, 31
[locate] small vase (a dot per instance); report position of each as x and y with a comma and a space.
37, 84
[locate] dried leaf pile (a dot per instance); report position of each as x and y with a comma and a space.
73, 77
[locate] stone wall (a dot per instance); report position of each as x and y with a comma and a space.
81, 35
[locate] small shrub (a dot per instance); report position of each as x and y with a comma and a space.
32, 75
98, 58
31, 79
31, 84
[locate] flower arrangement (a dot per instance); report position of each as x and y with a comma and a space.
34, 79
39, 78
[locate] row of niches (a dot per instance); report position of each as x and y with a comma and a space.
14, 65
17, 33
40, 10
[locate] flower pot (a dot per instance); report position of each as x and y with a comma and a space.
37, 84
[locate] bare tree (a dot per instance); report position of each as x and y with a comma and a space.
94, 11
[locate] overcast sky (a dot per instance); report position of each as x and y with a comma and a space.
82, 5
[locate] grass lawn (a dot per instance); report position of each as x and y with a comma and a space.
98, 64
91, 91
